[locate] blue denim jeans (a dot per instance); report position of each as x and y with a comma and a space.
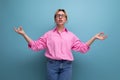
59, 69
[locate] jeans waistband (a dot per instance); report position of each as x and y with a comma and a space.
58, 60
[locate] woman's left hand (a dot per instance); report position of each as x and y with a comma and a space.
100, 36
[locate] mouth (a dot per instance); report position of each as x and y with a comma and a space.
60, 21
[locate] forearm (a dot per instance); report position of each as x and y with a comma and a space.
27, 38
89, 42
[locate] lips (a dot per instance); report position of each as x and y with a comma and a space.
60, 20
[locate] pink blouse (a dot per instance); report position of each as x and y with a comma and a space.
58, 45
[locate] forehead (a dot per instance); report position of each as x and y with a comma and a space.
60, 12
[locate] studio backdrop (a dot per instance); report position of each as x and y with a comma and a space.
85, 19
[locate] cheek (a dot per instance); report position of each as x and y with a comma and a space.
56, 20
64, 21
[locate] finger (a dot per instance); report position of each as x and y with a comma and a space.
20, 27
105, 37
15, 29
101, 33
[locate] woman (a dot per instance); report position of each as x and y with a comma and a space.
58, 44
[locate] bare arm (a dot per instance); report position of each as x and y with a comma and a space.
20, 31
99, 36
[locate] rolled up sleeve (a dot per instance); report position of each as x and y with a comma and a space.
79, 46
37, 45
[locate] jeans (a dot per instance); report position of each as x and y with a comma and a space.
59, 69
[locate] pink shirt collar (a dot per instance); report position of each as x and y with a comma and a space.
64, 30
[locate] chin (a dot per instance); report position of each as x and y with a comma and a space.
60, 23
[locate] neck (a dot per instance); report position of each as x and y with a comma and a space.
60, 27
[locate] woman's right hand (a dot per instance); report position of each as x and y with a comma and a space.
19, 30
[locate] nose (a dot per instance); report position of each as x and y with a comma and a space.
60, 16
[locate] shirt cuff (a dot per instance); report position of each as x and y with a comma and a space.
30, 44
87, 46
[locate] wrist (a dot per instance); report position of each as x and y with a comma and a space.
94, 38
24, 34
